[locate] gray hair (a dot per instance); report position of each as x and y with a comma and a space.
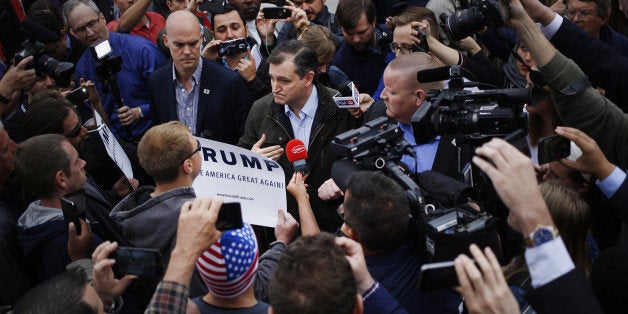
69, 5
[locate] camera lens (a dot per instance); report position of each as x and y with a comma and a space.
465, 23
60, 71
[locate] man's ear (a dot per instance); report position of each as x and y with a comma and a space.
359, 305
61, 179
309, 78
165, 37
420, 97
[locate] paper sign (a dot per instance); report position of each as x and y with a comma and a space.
239, 175
114, 150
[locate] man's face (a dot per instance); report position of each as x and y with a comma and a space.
176, 5
43, 82
57, 48
403, 40
184, 41
86, 25
311, 7
586, 16
286, 85
73, 130
7, 149
362, 36
401, 97
249, 7
76, 177
229, 26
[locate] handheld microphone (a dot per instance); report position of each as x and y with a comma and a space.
297, 155
348, 96
438, 74
346, 89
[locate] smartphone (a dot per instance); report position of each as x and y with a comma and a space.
137, 261
435, 276
229, 217
276, 13
78, 95
213, 6
71, 214
552, 148
279, 3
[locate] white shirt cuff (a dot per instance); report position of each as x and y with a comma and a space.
548, 262
550, 30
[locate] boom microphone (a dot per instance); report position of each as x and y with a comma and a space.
438, 74
297, 155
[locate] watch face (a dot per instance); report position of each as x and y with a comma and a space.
542, 235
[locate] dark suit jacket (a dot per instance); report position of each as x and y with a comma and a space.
617, 204
447, 157
223, 104
569, 293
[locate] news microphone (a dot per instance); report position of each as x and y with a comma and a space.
438, 74
34, 29
346, 90
297, 155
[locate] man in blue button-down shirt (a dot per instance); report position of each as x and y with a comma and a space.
139, 58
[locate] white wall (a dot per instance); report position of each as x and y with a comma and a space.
331, 4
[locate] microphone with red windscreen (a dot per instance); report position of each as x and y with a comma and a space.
297, 154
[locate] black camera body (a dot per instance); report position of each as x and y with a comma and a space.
480, 13
232, 47
475, 115
43, 63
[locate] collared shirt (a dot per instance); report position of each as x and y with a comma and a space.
139, 58
302, 126
187, 102
425, 153
156, 23
169, 297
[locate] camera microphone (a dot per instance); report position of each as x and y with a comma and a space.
438, 74
297, 155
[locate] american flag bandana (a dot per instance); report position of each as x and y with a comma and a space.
228, 267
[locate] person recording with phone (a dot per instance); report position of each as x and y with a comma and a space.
316, 13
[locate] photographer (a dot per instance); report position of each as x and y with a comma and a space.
379, 222
130, 115
248, 62
16, 79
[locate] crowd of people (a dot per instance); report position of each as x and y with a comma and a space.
161, 74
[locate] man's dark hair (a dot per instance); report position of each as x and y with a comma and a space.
377, 210
349, 12
304, 58
48, 20
60, 294
313, 276
37, 160
228, 8
46, 113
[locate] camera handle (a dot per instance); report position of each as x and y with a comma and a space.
107, 74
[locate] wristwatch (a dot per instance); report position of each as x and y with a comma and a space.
141, 113
541, 235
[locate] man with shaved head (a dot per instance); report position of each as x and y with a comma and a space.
212, 101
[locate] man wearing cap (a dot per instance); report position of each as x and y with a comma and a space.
228, 268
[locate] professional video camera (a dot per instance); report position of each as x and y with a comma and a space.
59, 71
475, 115
480, 13
441, 221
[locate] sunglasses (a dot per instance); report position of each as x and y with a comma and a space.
75, 132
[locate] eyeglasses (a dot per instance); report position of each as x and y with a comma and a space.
91, 24
75, 132
300, 3
582, 15
198, 149
405, 49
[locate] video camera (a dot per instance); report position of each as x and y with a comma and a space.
59, 71
475, 115
480, 13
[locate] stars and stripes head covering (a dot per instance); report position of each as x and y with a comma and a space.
228, 267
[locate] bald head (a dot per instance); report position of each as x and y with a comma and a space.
182, 19
409, 64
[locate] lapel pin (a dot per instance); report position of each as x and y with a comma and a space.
206, 91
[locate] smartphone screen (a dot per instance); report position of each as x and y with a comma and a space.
229, 217
276, 13
137, 261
